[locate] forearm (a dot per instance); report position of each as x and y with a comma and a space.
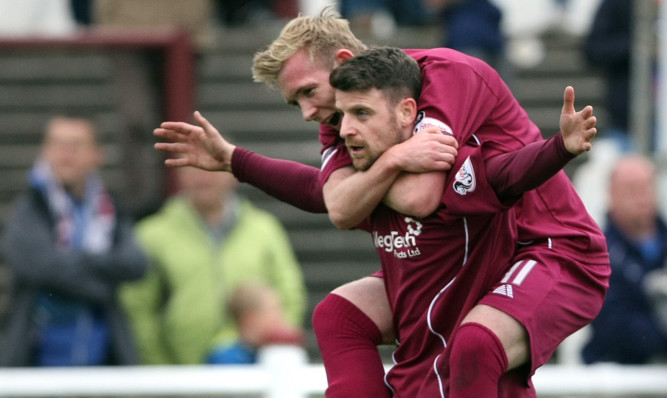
125, 261
416, 194
35, 261
291, 182
62, 274
512, 174
352, 196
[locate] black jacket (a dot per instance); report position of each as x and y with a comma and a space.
29, 248
608, 47
626, 330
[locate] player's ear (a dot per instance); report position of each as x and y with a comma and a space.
407, 111
341, 56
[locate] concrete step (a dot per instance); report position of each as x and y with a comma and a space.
46, 97
29, 66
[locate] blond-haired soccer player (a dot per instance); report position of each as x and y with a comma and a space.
460, 95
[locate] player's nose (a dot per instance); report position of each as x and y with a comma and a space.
309, 112
346, 129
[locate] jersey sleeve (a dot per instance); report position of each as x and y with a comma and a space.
291, 182
333, 159
469, 97
454, 92
329, 137
512, 174
334, 152
467, 190
501, 180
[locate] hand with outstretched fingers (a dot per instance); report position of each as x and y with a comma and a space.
578, 128
199, 146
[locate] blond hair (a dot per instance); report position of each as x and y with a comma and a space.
321, 36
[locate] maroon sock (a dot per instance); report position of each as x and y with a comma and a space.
477, 362
348, 341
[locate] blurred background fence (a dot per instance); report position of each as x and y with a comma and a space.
283, 372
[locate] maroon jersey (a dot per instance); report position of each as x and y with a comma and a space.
464, 96
437, 268
429, 294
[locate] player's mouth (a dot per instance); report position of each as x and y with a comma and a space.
355, 150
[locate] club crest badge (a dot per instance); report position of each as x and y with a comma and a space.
464, 181
414, 226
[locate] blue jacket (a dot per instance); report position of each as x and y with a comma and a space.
473, 25
626, 331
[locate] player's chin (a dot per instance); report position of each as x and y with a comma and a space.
361, 164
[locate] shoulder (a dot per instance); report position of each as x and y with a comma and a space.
250, 212
328, 137
662, 228
446, 56
613, 234
29, 204
28, 218
457, 73
174, 211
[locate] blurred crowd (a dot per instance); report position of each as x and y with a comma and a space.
211, 278
208, 278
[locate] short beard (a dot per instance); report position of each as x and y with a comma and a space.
397, 137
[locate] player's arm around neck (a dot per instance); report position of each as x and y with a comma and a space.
416, 194
351, 196
424, 159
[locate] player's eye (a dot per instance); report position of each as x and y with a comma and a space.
361, 113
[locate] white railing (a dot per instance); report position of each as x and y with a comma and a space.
283, 372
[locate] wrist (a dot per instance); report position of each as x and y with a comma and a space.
237, 161
391, 159
228, 160
561, 146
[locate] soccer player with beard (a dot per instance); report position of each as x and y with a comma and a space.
438, 268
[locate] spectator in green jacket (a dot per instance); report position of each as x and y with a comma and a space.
203, 244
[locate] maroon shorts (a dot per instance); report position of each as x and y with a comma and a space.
551, 296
